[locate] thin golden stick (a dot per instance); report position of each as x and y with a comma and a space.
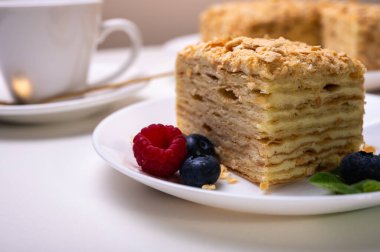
6, 103
88, 90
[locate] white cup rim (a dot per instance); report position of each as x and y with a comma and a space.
45, 3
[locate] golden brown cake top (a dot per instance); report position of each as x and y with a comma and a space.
263, 11
354, 10
272, 58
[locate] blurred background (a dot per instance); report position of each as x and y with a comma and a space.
159, 20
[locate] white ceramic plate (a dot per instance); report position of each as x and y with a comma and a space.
171, 47
112, 141
75, 108
372, 81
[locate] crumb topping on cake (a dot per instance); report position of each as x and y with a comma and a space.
273, 58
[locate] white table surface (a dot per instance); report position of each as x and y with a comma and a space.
57, 194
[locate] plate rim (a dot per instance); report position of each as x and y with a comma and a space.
257, 197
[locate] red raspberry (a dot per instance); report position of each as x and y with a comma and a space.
160, 149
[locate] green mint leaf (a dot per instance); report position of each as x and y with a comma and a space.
332, 182
368, 185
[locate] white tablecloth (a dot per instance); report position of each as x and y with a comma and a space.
56, 194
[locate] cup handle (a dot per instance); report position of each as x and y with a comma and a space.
128, 27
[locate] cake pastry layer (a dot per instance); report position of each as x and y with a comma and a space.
276, 110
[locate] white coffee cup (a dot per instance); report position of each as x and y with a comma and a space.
46, 45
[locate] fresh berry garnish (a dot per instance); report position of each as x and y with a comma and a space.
160, 149
359, 166
199, 145
200, 170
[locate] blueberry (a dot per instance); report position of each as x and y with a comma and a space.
359, 166
200, 170
199, 145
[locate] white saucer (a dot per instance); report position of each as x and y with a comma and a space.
75, 108
175, 45
372, 78
112, 141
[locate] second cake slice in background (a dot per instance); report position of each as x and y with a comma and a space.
296, 20
353, 28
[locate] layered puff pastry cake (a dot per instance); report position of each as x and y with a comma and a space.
276, 110
292, 19
350, 27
